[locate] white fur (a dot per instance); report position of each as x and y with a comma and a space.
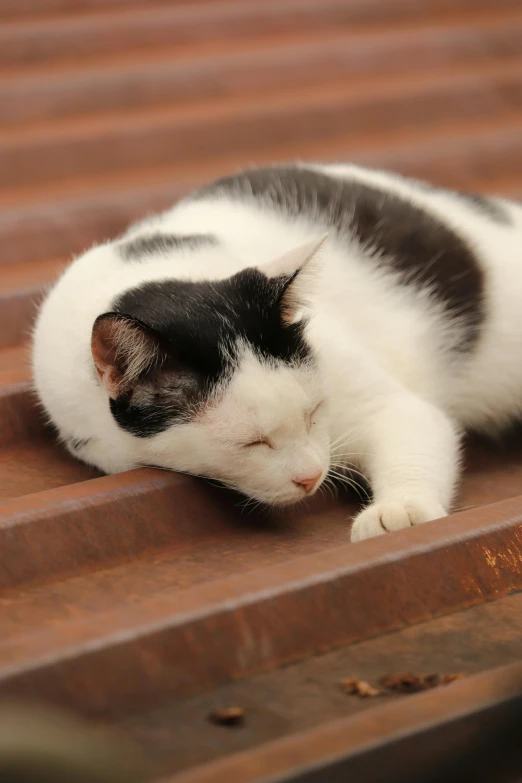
395, 396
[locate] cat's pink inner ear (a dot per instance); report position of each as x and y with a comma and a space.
293, 261
121, 350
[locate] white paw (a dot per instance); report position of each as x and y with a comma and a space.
390, 515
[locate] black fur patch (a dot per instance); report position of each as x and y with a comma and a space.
199, 325
159, 244
423, 250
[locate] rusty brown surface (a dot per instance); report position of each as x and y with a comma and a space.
259, 617
384, 743
121, 593
300, 697
67, 216
297, 59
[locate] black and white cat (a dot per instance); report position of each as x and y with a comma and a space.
284, 324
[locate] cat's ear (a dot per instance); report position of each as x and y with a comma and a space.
293, 262
291, 283
122, 349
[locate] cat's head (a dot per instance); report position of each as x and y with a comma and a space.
217, 379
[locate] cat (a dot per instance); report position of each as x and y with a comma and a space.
284, 325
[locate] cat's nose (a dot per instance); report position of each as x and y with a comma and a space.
308, 482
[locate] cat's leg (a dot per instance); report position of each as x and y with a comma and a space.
412, 462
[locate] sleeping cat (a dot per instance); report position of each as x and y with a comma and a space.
284, 325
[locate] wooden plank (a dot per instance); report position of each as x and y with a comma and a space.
120, 83
307, 695
60, 220
28, 42
408, 738
89, 521
163, 137
19, 415
21, 289
264, 618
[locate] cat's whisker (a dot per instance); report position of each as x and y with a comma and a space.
340, 475
252, 505
331, 487
347, 468
351, 454
343, 479
328, 487
351, 469
340, 438
341, 443
343, 454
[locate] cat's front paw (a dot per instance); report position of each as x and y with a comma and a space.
387, 516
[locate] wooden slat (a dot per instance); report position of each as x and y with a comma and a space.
306, 697
61, 219
266, 617
41, 9
71, 37
164, 137
19, 415
49, 535
406, 739
121, 83
21, 289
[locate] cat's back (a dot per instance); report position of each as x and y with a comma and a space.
413, 271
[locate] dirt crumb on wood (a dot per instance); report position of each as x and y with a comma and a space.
228, 716
359, 688
404, 682
414, 683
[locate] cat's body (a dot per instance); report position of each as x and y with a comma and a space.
412, 332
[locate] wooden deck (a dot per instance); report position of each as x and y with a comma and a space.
147, 599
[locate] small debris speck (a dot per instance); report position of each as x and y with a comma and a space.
228, 716
414, 683
359, 688
408, 683
403, 683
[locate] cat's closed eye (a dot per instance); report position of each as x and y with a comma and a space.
257, 442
